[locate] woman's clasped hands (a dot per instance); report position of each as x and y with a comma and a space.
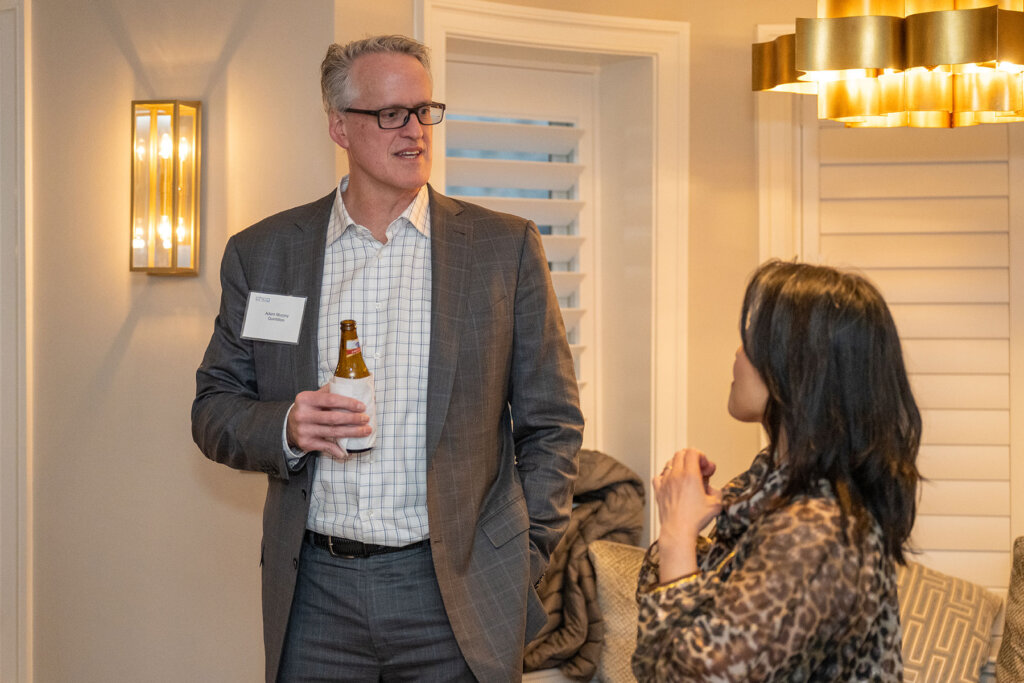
686, 504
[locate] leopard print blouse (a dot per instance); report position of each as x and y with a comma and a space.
783, 595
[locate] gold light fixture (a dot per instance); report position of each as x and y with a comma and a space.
165, 187
888, 63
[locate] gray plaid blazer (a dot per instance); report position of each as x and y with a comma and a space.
503, 419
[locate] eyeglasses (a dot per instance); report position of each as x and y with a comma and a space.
389, 118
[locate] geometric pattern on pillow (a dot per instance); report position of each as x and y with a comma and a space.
947, 625
616, 569
1010, 662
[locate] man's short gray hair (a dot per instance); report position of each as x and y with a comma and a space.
336, 87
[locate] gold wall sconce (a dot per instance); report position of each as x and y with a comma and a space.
890, 63
165, 187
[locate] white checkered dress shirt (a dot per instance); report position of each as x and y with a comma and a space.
379, 496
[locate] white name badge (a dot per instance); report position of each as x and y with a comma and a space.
273, 317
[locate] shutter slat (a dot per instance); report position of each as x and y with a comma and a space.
516, 137
565, 282
990, 569
934, 214
957, 355
943, 285
949, 532
964, 462
968, 498
540, 211
966, 392
968, 427
571, 318
952, 321
576, 350
503, 173
977, 143
561, 248
869, 181
980, 250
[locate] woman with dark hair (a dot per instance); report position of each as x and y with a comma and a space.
797, 580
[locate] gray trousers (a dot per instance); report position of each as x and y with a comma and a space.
377, 618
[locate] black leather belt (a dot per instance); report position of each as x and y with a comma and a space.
343, 547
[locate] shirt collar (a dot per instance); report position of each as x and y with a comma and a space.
416, 214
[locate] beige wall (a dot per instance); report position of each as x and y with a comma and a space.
145, 553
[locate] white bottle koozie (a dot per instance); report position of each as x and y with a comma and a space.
362, 390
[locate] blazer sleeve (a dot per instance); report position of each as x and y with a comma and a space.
230, 424
544, 400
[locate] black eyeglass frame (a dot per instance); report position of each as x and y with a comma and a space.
409, 111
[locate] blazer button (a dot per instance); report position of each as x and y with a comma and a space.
303, 494
295, 563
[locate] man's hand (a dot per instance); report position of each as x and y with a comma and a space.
319, 418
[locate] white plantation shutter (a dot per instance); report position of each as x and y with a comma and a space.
516, 142
928, 216
924, 214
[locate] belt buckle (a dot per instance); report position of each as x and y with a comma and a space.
330, 549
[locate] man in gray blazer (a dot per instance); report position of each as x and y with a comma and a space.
417, 559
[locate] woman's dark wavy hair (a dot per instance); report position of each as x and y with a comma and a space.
826, 346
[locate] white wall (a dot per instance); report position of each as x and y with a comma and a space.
146, 565
146, 554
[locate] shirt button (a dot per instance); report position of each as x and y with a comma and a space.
377, 355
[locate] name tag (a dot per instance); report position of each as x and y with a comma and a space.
273, 317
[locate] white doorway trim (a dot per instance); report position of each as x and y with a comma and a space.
15, 508
666, 44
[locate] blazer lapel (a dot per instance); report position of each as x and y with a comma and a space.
304, 273
449, 254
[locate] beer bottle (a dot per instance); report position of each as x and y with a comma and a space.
353, 379
350, 355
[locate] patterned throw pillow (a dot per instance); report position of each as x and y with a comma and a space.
1010, 662
616, 568
947, 624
